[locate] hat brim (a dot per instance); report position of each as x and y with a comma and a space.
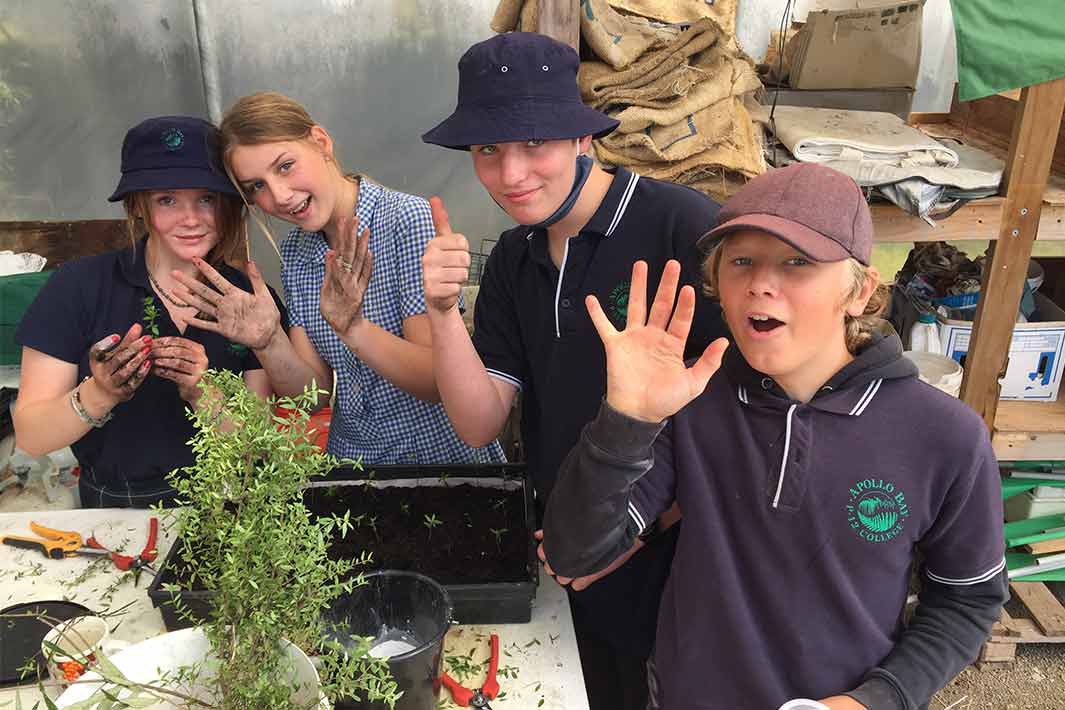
521, 121
185, 178
811, 243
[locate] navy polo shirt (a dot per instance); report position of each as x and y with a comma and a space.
800, 522
532, 329
85, 301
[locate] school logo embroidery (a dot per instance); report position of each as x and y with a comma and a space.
173, 139
618, 303
877, 510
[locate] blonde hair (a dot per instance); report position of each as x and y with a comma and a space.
265, 117
857, 330
229, 222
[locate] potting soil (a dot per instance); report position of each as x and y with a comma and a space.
397, 526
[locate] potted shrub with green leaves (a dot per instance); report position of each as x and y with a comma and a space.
249, 543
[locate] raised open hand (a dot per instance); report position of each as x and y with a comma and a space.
250, 319
646, 375
347, 276
119, 365
445, 263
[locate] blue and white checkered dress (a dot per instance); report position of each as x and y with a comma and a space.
372, 418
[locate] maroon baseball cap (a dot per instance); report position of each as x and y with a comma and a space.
818, 210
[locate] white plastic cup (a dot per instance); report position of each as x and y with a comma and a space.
72, 646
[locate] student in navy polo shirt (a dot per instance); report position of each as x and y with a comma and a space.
809, 471
111, 358
520, 116
371, 333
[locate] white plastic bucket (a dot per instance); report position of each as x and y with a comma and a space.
940, 371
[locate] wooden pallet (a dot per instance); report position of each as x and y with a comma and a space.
1047, 625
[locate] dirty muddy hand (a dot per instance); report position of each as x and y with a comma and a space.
348, 268
181, 361
120, 364
445, 263
251, 319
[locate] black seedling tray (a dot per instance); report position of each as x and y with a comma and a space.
473, 603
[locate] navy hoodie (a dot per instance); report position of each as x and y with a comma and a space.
801, 522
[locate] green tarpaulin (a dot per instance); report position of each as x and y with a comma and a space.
1007, 44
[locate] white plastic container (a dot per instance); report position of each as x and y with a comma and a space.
940, 371
924, 335
1028, 505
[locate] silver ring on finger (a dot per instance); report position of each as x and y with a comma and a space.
345, 265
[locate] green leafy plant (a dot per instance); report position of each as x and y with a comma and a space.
430, 522
151, 314
249, 541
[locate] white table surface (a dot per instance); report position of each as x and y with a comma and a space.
539, 664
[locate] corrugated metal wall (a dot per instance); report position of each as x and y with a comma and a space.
375, 73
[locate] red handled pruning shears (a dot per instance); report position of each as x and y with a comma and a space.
141, 561
55, 544
477, 698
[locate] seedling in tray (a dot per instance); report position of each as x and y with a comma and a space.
430, 522
498, 533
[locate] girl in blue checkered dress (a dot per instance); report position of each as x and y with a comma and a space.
371, 333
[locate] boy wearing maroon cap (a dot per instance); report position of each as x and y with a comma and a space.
808, 470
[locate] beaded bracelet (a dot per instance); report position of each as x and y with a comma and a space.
83, 414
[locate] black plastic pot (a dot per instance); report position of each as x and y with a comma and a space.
403, 607
488, 603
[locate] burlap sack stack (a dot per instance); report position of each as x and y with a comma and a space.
672, 73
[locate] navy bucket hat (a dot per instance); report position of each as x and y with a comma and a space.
172, 153
515, 87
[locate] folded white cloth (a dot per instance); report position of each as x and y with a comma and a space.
819, 135
21, 263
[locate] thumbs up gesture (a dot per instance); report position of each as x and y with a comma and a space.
445, 263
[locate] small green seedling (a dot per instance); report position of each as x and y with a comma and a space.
498, 533
151, 313
430, 522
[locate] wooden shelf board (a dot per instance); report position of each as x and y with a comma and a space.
1029, 431
979, 219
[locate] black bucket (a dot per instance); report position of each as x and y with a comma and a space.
408, 612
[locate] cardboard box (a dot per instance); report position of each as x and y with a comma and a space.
1035, 356
874, 45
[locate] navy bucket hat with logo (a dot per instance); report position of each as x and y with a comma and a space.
518, 86
172, 153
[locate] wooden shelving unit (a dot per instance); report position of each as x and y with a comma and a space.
1021, 431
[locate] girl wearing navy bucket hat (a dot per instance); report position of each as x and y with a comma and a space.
371, 333
112, 355
581, 227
